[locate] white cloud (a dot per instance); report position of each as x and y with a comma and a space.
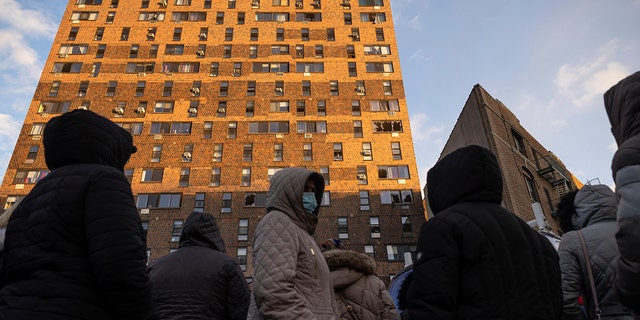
9, 127
588, 80
416, 23
27, 21
418, 55
421, 131
16, 56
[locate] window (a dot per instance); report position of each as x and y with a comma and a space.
128, 173
395, 196
82, 88
231, 4
253, 36
187, 153
204, 34
153, 16
379, 34
183, 2
119, 109
247, 152
184, 177
333, 87
269, 127
306, 88
396, 252
110, 17
153, 51
367, 153
207, 129
133, 52
373, 17
277, 152
217, 152
170, 128
331, 34
124, 35
226, 202
134, 128
195, 88
322, 108
140, 67
280, 34
386, 88
201, 52
299, 51
369, 250
374, 226
228, 34
75, 49
406, 225
279, 106
243, 229
343, 230
272, 16
253, 51
224, 89
310, 67
181, 67
158, 200
396, 152
213, 70
242, 258
250, 108
67, 67
220, 17
393, 172
152, 175
251, 88
240, 17
312, 127
215, 177
177, 34
309, 16
33, 153
351, 52
531, 186
232, 129
222, 109
384, 105
261, 67
255, 199
176, 231
304, 34
271, 172
387, 126
377, 49
163, 107
156, 152
300, 108
347, 18
174, 49
364, 201
73, 33
307, 152
337, 151
357, 129
319, 51
518, 142
353, 71
280, 2
370, 3
145, 4
360, 88
54, 107
99, 34
355, 107
189, 16
198, 205
379, 67
237, 69
326, 199
55, 87
86, 15
29, 176
37, 129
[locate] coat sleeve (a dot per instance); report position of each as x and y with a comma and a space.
433, 290
117, 247
237, 293
627, 282
571, 275
388, 311
275, 258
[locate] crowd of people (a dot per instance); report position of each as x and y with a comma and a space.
74, 248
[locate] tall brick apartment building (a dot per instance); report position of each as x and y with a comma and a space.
219, 95
531, 174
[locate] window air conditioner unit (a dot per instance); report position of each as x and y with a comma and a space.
193, 110
355, 36
151, 35
142, 74
186, 155
279, 90
362, 176
153, 18
316, 4
162, 3
255, 3
62, 55
195, 90
366, 153
360, 89
203, 36
140, 110
200, 53
308, 135
215, 74
118, 110
392, 113
299, 4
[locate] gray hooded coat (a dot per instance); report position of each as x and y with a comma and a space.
596, 217
291, 279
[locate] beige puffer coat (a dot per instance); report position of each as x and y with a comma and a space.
291, 279
356, 285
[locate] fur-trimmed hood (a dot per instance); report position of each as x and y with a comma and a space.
348, 267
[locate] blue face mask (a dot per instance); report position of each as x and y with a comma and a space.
309, 201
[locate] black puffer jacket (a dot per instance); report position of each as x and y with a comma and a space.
74, 248
475, 259
199, 281
622, 103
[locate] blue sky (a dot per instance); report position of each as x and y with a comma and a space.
549, 61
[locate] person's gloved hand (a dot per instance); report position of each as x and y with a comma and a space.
628, 154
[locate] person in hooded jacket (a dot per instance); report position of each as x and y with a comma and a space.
475, 259
75, 248
291, 279
594, 214
199, 281
622, 103
360, 294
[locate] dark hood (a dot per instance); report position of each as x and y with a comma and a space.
593, 204
82, 136
469, 174
285, 195
622, 102
201, 229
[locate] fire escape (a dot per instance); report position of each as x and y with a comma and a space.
557, 175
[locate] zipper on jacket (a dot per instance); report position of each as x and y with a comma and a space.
315, 261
